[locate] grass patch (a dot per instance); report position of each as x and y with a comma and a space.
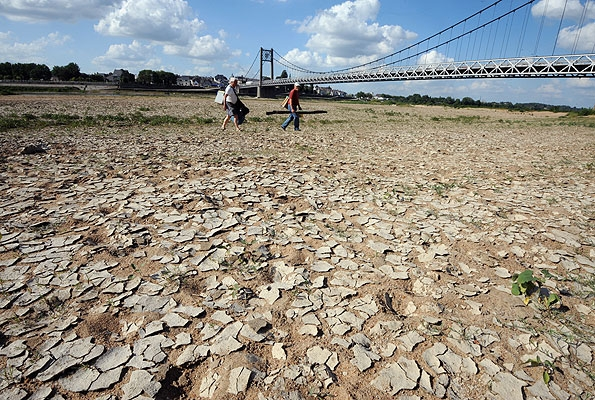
442, 189
30, 121
9, 90
263, 119
331, 122
462, 119
304, 148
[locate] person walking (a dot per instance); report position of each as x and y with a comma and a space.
231, 104
293, 105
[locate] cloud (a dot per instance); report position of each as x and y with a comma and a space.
347, 34
134, 56
14, 51
204, 47
582, 83
55, 10
571, 9
549, 90
170, 21
578, 39
433, 57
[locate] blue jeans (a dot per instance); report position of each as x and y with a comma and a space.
292, 116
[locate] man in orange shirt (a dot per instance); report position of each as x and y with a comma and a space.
293, 106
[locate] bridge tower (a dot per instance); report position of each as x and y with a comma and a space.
265, 56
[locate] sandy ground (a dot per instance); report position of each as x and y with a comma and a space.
459, 199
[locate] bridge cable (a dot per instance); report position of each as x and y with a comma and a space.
523, 32
253, 62
442, 44
505, 42
493, 41
417, 44
490, 37
464, 34
426, 39
475, 39
541, 27
579, 27
559, 27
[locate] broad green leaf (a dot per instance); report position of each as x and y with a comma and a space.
516, 290
526, 276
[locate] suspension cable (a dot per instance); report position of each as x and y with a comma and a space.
523, 32
404, 54
541, 26
579, 27
253, 62
559, 27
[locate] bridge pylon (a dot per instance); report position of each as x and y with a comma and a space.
265, 56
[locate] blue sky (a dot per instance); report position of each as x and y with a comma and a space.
191, 37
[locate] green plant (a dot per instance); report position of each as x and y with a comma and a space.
548, 368
442, 188
527, 284
549, 299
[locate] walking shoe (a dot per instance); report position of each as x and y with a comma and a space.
297, 129
283, 127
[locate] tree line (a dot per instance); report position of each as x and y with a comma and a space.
418, 99
72, 72
41, 72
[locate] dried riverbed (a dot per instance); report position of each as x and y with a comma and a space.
146, 253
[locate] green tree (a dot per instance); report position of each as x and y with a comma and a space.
145, 77
468, 101
5, 70
126, 77
165, 78
67, 72
40, 72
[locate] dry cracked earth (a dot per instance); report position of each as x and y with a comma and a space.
147, 254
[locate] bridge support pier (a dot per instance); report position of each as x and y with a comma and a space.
265, 56
265, 91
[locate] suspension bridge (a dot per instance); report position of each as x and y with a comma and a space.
507, 39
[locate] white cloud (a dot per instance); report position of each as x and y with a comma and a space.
61, 10
579, 39
14, 51
582, 83
347, 34
170, 21
571, 9
134, 56
204, 47
575, 37
433, 57
549, 90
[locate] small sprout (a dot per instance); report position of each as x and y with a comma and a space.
527, 284
548, 368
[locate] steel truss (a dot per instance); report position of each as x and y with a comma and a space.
566, 66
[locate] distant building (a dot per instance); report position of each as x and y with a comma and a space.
329, 92
119, 76
184, 80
